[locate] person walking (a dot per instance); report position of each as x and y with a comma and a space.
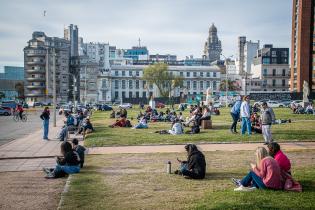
235, 113
45, 117
245, 115
267, 117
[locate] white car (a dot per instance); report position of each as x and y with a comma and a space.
217, 105
275, 104
125, 106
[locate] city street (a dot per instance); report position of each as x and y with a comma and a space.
11, 130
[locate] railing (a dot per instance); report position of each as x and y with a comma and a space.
35, 79
276, 76
34, 87
36, 71
35, 62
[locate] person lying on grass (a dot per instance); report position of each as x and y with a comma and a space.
142, 124
265, 174
195, 166
68, 164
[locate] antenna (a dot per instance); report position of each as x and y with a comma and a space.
139, 40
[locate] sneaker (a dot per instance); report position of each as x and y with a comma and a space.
46, 170
266, 143
50, 175
244, 189
237, 182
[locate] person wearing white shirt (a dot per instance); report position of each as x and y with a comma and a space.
245, 115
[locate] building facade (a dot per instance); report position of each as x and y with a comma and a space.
271, 66
246, 52
38, 68
12, 82
303, 45
71, 33
212, 47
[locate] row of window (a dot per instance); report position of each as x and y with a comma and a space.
274, 72
143, 94
194, 74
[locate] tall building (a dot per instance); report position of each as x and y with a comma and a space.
303, 45
271, 67
246, 52
212, 48
12, 82
38, 68
72, 34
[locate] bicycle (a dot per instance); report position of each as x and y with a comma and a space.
16, 117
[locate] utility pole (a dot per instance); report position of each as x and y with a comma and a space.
54, 87
226, 84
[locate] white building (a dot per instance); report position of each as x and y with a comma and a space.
247, 50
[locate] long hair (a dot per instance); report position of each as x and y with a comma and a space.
65, 148
261, 153
191, 148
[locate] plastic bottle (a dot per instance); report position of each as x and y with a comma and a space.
169, 167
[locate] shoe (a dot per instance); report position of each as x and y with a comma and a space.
266, 143
176, 172
231, 131
243, 189
46, 170
50, 175
237, 182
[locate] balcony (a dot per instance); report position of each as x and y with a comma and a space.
276, 86
40, 71
37, 62
34, 94
31, 79
35, 87
276, 76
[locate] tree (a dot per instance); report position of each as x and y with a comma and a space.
159, 75
19, 88
232, 86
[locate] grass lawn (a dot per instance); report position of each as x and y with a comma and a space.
139, 181
301, 128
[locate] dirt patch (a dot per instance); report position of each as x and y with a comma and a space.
29, 190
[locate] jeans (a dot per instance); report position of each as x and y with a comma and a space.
61, 170
246, 124
140, 125
46, 128
184, 170
235, 118
63, 133
266, 133
251, 179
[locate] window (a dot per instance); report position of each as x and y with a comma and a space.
283, 82
123, 94
208, 74
130, 84
123, 73
208, 84
181, 74
144, 94
195, 74
265, 72
274, 53
273, 82
188, 84
187, 74
116, 73
274, 60
201, 85
273, 72
137, 85
116, 94
130, 73
214, 85
214, 74
283, 72
194, 85
130, 94
116, 84
123, 84
201, 74
137, 94
144, 86
266, 61
137, 74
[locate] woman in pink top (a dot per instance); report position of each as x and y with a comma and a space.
264, 174
282, 159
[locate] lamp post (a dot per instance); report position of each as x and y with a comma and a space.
54, 87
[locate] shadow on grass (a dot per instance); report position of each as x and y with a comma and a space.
223, 175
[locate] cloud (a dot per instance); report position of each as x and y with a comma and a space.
179, 26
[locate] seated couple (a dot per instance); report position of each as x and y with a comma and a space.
177, 129
271, 171
123, 122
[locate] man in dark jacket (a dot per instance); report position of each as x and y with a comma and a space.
79, 149
195, 166
267, 118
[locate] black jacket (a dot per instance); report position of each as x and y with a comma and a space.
197, 163
45, 116
71, 159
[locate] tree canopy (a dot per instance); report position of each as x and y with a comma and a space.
159, 75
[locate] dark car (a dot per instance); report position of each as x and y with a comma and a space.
106, 107
4, 112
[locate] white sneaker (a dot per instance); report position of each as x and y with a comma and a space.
244, 189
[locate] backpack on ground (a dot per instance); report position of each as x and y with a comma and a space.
128, 123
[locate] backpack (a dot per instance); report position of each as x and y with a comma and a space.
195, 129
128, 123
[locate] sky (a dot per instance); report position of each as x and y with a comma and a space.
177, 27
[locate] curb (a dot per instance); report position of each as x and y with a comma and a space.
65, 190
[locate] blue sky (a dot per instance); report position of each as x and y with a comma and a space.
165, 26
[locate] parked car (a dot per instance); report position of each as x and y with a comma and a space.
25, 106
217, 105
105, 107
37, 104
7, 108
296, 102
160, 105
4, 112
12, 104
275, 104
125, 106
286, 103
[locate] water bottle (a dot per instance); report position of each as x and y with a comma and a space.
169, 167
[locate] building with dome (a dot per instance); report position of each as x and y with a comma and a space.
212, 48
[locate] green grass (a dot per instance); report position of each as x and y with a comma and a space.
139, 181
301, 128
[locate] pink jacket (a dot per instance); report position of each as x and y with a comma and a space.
269, 172
283, 161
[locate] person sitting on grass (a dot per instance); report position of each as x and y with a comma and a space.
265, 174
86, 127
79, 149
256, 123
194, 129
68, 164
195, 166
282, 159
119, 123
112, 115
142, 124
177, 128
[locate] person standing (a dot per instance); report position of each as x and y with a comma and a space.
245, 115
235, 113
45, 116
267, 117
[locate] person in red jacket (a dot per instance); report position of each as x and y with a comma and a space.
20, 110
282, 159
265, 174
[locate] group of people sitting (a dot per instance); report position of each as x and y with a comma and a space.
71, 161
79, 122
298, 109
272, 169
197, 115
